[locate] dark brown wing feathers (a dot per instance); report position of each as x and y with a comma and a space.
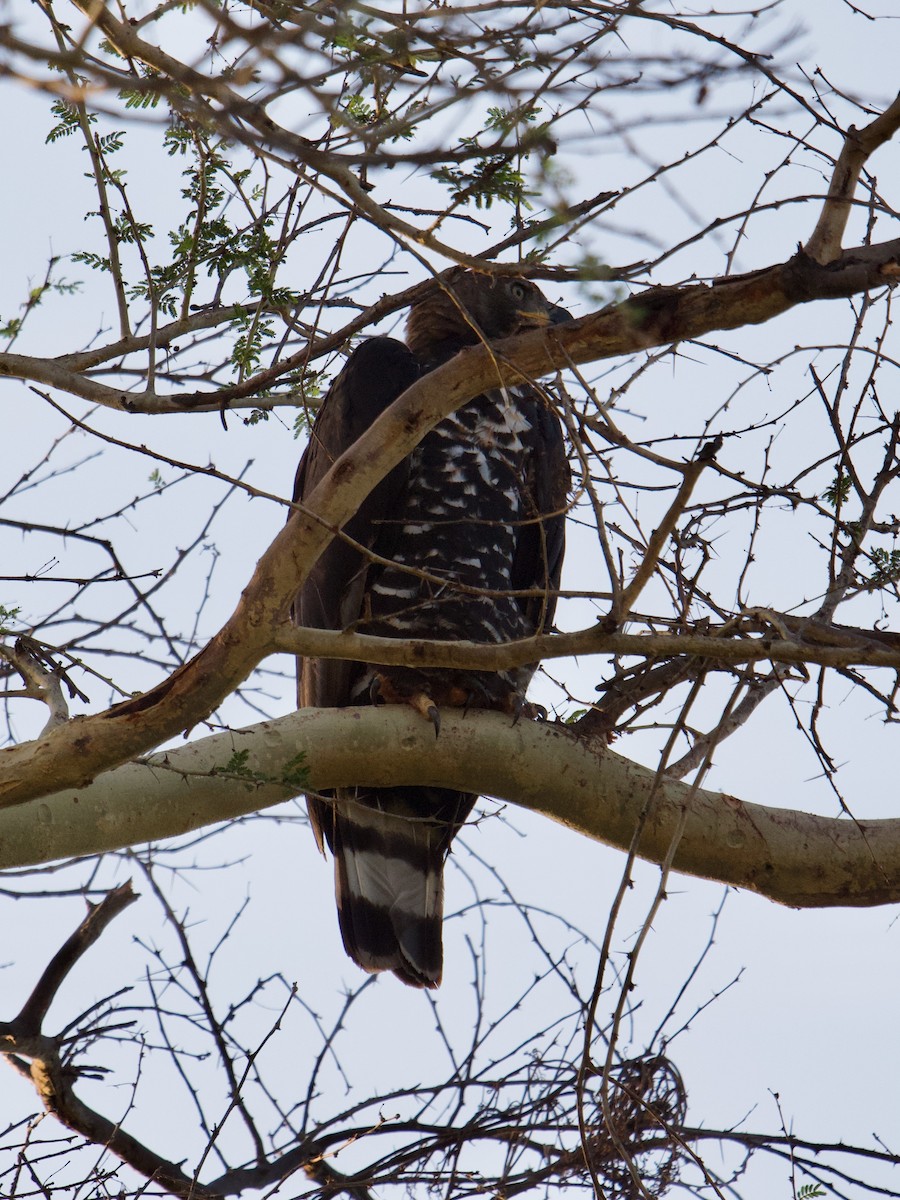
376, 373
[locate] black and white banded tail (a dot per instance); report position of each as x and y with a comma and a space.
388, 869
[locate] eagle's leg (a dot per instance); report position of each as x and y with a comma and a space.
427, 693
385, 690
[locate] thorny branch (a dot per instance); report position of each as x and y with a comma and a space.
799, 640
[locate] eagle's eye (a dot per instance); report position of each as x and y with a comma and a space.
518, 290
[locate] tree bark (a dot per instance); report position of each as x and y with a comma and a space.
791, 857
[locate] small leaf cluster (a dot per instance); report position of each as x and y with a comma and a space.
247, 350
839, 491
7, 615
68, 120
496, 174
372, 117
136, 97
504, 121
121, 226
206, 240
489, 179
359, 110
294, 774
887, 567
368, 52
11, 328
309, 386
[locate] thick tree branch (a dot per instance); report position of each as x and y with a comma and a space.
655, 317
791, 857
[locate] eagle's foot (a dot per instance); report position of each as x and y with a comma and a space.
477, 694
384, 690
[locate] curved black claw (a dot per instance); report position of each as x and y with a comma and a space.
426, 707
523, 707
434, 717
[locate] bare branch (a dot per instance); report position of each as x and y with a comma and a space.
859, 144
23, 1038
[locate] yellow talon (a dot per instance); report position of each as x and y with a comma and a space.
426, 707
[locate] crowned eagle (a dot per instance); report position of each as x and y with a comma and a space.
462, 540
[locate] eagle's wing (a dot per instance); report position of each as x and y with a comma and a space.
332, 597
376, 373
540, 544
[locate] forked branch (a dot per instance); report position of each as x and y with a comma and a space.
825, 244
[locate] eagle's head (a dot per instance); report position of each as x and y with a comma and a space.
467, 307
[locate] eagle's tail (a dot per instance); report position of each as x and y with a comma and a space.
389, 869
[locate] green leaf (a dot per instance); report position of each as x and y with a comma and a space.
492, 178
839, 491
295, 772
109, 143
887, 567
7, 615
503, 121
575, 716
257, 415
68, 121
237, 767
136, 98
97, 262
359, 111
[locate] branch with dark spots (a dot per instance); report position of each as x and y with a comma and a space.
31, 1018
795, 858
